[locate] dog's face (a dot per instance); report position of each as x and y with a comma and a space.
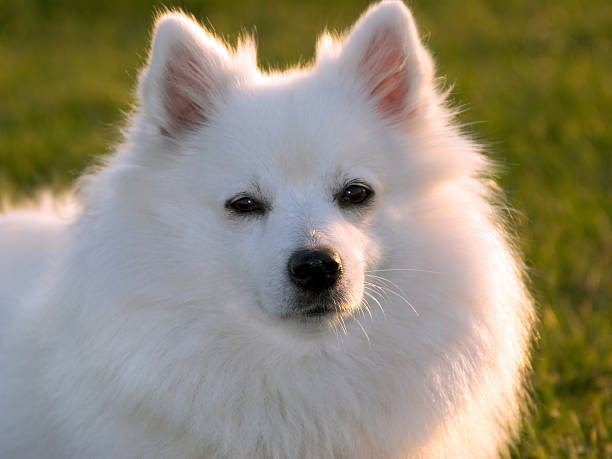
277, 184
295, 199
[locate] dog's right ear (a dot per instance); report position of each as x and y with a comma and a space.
188, 72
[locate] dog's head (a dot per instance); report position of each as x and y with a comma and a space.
275, 187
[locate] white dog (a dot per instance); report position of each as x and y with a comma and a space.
302, 264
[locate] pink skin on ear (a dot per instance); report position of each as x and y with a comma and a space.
185, 90
383, 67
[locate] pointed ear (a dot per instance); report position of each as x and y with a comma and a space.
187, 73
383, 54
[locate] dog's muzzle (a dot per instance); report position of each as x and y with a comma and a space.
315, 272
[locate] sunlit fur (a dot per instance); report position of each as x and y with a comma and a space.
151, 325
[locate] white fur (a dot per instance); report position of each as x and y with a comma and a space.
152, 325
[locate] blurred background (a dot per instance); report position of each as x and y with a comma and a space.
535, 79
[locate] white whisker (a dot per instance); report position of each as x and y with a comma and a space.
366, 306
404, 299
342, 324
386, 288
402, 269
378, 288
385, 280
375, 300
364, 331
335, 329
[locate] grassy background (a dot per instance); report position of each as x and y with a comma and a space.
538, 80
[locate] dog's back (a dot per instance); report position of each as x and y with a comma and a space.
28, 242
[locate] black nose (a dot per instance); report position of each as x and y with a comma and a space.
315, 269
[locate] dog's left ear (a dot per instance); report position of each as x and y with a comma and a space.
384, 56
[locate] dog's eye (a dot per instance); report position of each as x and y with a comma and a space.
354, 194
245, 204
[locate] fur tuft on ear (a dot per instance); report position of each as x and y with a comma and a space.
384, 55
187, 72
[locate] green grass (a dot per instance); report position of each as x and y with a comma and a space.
538, 80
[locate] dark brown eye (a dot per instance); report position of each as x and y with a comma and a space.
354, 194
245, 205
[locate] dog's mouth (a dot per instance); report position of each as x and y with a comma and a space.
318, 312
314, 314
316, 308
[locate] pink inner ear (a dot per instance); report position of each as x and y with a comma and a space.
383, 68
185, 92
